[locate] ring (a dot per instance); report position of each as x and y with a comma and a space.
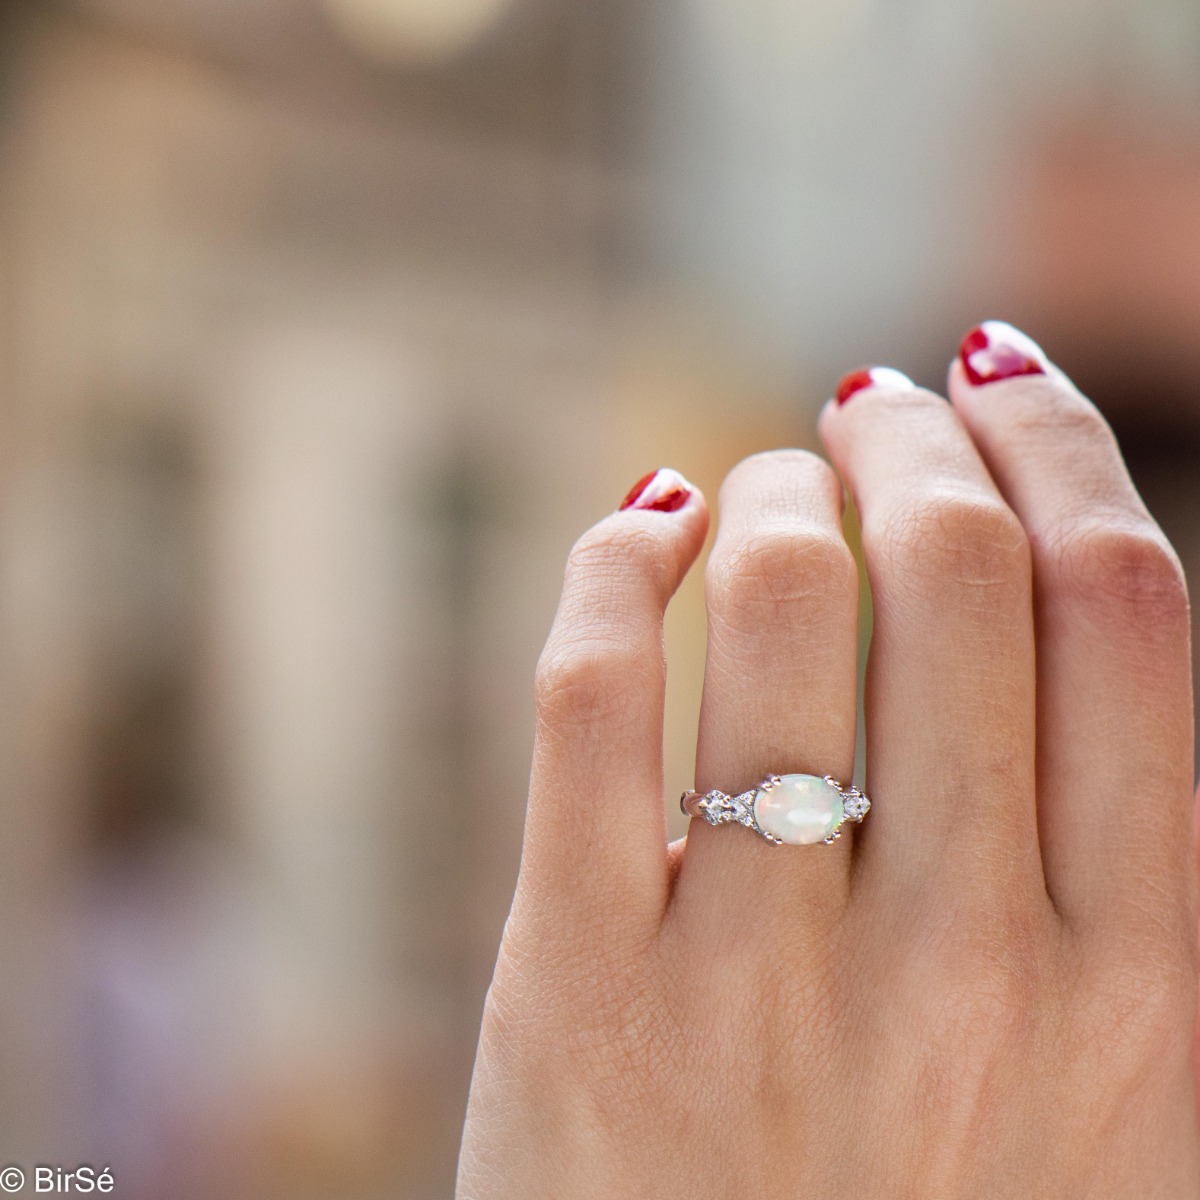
799, 810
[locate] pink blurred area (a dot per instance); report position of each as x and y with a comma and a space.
324, 328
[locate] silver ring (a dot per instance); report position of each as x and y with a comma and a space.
796, 810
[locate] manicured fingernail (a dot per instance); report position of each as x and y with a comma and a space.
995, 350
867, 377
663, 490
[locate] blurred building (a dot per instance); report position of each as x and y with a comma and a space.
326, 327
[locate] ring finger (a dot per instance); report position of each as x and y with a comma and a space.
779, 686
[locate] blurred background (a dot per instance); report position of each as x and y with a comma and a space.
325, 326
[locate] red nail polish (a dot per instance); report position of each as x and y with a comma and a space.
995, 350
663, 490
858, 381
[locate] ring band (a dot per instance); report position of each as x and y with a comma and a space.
796, 810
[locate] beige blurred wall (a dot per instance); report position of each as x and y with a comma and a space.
306, 402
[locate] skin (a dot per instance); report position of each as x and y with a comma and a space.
988, 989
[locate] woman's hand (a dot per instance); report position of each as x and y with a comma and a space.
988, 989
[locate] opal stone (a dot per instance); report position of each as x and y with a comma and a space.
799, 809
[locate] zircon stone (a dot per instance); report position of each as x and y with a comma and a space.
799, 809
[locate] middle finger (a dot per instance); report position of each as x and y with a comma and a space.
950, 677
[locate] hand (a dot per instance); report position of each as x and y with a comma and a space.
987, 989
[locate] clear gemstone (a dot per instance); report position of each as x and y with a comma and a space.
799, 809
855, 804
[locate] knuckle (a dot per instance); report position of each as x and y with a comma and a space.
1144, 1008
1057, 417
779, 568
608, 558
990, 972
604, 649
953, 539
978, 1015
978, 1018
1129, 567
971, 1038
587, 680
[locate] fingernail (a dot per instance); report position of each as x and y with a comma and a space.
995, 350
663, 490
866, 377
